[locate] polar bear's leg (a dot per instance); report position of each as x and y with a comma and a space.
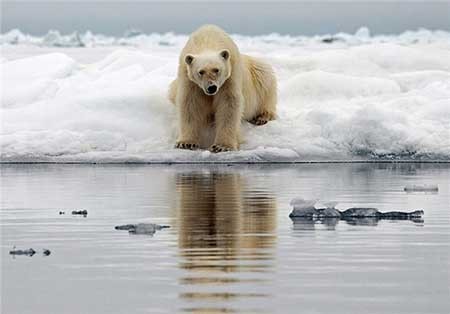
228, 106
265, 86
192, 118
267, 110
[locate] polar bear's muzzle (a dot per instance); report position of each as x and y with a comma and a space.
211, 89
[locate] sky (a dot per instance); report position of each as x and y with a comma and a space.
248, 17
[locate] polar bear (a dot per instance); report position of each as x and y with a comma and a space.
216, 88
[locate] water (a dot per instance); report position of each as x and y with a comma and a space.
231, 247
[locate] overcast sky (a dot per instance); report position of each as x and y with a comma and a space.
249, 17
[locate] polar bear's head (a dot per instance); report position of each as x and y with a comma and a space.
209, 70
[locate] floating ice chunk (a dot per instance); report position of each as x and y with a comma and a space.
361, 212
358, 212
304, 212
313, 209
142, 228
314, 213
422, 188
308, 209
80, 212
28, 252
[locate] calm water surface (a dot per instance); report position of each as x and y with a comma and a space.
231, 247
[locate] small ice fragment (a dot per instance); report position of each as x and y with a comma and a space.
421, 188
141, 228
144, 229
314, 213
313, 209
417, 214
125, 227
357, 212
304, 212
329, 212
80, 212
29, 252
316, 210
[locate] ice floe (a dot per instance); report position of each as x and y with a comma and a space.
359, 97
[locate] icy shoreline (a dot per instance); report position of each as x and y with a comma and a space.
134, 37
361, 98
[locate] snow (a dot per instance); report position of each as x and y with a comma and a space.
358, 97
30, 79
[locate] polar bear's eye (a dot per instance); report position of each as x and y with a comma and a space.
201, 72
215, 70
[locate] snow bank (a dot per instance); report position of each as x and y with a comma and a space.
27, 80
349, 99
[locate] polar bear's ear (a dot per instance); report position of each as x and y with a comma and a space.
188, 59
225, 54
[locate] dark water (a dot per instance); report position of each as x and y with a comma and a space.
231, 247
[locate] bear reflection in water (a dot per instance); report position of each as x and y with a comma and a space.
226, 226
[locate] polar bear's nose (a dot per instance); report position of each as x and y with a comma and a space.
212, 89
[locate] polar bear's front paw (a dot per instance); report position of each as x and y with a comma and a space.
258, 121
262, 119
184, 145
216, 148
